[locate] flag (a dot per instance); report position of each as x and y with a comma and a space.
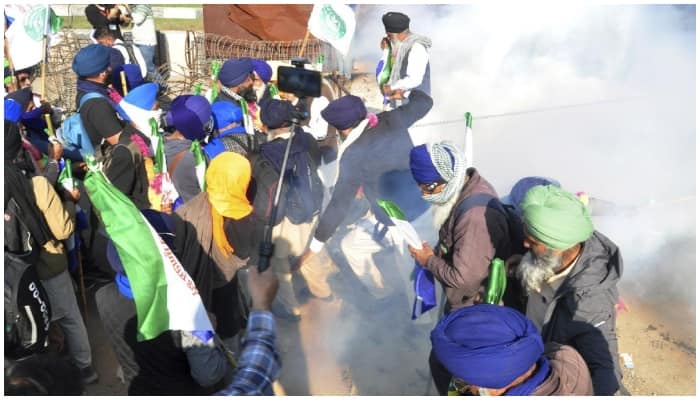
165, 295
65, 177
200, 164
333, 23
469, 141
162, 183
423, 282
26, 33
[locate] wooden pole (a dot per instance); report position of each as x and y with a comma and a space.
125, 89
49, 124
44, 57
303, 45
82, 284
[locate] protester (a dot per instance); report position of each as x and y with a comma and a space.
107, 16
229, 133
235, 84
140, 106
49, 222
24, 77
467, 241
216, 234
570, 274
290, 237
119, 144
121, 53
175, 362
132, 77
494, 350
411, 68
190, 116
143, 35
364, 161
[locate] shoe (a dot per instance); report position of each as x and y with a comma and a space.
89, 375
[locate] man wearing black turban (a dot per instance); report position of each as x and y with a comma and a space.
409, 52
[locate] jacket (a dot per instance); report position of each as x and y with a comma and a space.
568, 373
582, 313
52, 257
369, 159
465, 248
184, 176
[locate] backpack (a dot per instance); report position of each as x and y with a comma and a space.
27, 309
72, 133
515, 225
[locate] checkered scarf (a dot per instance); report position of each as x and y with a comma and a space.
451, 164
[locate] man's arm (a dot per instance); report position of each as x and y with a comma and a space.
121, 171
417, 63
207, 364
95, 17
48, 201
418, 105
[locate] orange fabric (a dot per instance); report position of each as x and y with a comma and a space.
227, 179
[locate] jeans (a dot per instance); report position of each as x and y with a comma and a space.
148, 53
65, 311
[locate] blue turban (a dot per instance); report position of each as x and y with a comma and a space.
276, 113
225, 113
422, 167
345, 112
263, 69
133, 77
235, 71
91, 60
13, 110
191, 115
487, 345
143, 96
517, 194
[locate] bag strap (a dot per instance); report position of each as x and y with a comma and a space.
479, 199
86, 97
176, 160
240, 143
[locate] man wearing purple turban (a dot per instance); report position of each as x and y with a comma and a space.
494, 350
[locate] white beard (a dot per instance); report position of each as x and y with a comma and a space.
442, 211
533, 271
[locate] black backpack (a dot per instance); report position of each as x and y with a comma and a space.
27, 308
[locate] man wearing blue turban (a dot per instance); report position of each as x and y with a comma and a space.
495, 350
570, 274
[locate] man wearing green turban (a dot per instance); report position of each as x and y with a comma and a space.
570, 273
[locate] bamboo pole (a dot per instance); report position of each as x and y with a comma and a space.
125, 89
304, 43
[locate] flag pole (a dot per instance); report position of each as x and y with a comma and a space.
304, 43
44, 58
469, 140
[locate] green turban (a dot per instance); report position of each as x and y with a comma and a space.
556, 217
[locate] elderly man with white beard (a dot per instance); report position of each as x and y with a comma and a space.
570, 274
469, 238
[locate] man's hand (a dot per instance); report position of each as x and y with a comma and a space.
384, 43
55, 150
262, 288
421, 255
386, 90
396, 95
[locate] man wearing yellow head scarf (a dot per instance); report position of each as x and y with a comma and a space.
570, 274
217, 234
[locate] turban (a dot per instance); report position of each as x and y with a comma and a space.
395, 22
13, 110
227, 179
433, 162
522, 186
263, 69
276, 113
23, 97
144, 96
91, 60
235, 71
556, 217
345, 112
487, 345
133, 76
226, 113
191, 115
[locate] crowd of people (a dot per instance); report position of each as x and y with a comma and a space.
204, 170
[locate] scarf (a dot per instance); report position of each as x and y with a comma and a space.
451, 164
403, 51
92, 87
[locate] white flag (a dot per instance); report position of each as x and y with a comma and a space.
333, 23
25, 35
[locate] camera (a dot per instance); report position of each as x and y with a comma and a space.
298, 80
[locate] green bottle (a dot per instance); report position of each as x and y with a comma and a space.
497, 282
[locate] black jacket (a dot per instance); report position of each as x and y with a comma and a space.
379, 155
582, 313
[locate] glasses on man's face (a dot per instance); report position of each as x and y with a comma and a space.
430, 187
